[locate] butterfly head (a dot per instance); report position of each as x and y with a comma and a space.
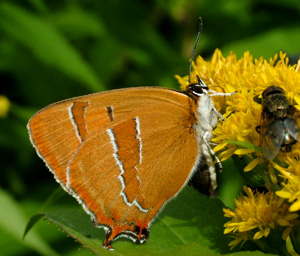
198, 89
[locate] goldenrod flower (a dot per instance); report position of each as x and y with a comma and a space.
291, 186
249, 77
256, 215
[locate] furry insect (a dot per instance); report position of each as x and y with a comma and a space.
279, 129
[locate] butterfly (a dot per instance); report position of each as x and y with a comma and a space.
124, 154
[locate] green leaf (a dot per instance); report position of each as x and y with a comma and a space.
244, 144
33, 220
267, 43
47, 44
12, 221
251, 178
190, 224
230, 184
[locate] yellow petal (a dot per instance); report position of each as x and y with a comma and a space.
258, 235
220, 146
279, 168
228, 230
267, 232
243, 151
252, 164
283, 194
295, 206
291, 216
272, 174
247, 227
297, 99
282, 222
230, 88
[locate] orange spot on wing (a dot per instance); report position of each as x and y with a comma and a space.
128, 153
78, 110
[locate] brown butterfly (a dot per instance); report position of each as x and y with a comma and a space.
124, 154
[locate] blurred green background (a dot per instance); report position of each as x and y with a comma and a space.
53, 50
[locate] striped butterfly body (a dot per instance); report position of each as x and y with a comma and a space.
123, 154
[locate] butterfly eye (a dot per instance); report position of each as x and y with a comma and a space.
195, 89
198, 89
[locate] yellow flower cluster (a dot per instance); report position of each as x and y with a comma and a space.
291, 185
249, 78
256, 214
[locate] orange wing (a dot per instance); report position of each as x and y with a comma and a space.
122, 154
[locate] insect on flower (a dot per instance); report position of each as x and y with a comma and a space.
279, 129
123, 154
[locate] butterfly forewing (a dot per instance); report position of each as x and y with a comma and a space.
110, 150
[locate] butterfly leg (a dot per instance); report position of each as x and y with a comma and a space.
211, 151
214, 93
208, 155
218, 113
207, 158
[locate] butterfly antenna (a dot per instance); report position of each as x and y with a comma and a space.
195, 47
